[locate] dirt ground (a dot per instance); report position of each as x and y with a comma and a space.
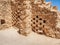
11, 37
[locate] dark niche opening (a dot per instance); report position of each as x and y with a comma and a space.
2, 21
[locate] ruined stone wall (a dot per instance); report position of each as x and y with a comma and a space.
30, 15
5, 14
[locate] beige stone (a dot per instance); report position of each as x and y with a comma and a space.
27, 15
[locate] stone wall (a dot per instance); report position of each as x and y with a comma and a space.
5, 14
30, 15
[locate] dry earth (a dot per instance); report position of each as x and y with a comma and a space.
11, 37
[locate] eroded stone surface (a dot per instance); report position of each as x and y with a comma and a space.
31, 15
5, 14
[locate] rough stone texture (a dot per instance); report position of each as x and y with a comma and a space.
31, 15
21, 11
5, 14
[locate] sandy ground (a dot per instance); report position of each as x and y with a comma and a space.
11, 37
